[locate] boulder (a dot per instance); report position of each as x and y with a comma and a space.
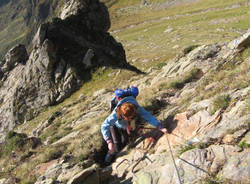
3, 181
96, 16
87, 176
68, 172
198, 58
241, 43
17, 54
48, 171
236, 168
194, 166
229, 123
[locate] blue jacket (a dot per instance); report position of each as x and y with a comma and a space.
112, 119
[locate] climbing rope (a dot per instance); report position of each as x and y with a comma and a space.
179, 178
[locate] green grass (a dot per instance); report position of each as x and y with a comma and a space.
244, 145
185, 148
199, 28
189, 49
15, 142
16, 25
236, 70
189, 77
212, 180
52, 152
220, 102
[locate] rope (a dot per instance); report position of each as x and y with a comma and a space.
179, 178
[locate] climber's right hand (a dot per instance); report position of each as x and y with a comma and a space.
111, 147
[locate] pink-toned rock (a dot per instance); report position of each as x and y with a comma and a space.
184, 128
42, 168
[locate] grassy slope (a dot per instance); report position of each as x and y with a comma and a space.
19, 20
141, 31
202, 22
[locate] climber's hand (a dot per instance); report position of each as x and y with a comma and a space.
111, 147
164, 130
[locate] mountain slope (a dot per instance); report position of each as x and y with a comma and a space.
197, 84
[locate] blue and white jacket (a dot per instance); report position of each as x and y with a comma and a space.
112, 119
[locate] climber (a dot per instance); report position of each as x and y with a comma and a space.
116, 128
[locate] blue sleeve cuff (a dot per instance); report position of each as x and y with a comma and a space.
160, 126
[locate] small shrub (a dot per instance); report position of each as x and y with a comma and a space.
15, 142
162, 86
189, 49
81, 157
68, 129
163, 151
211, 181
185, 148
52, 153
176, 84
151, 151
55, 138
221, 102
194, 74
201, 145
160, 65
10, 134
243, 144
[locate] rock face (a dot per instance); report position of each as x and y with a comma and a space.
63, 54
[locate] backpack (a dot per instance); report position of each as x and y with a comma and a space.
132, 91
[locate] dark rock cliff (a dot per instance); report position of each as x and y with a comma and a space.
64, 53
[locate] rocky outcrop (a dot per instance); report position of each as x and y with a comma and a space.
205, 145
97, 19
17, 54
63, 55
196, 165
88, 176
212, 139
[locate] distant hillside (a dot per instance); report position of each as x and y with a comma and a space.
19, 19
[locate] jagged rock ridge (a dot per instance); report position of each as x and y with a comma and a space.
63, 55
